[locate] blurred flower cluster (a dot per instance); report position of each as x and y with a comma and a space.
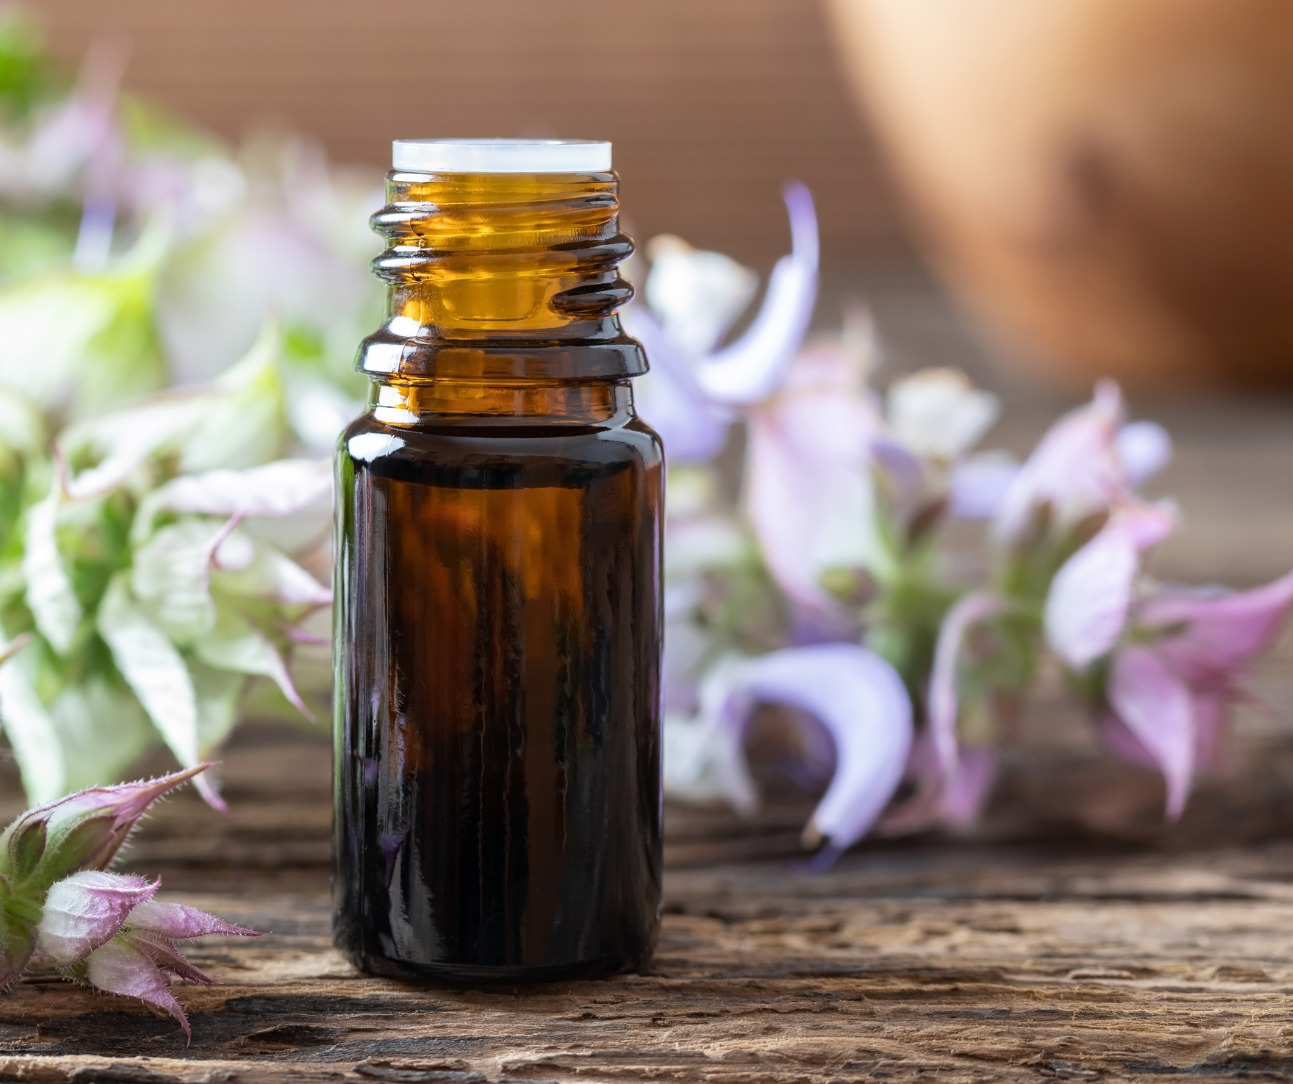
177, 326
830, 588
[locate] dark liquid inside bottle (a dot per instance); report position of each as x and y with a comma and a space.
498, 597
500, 771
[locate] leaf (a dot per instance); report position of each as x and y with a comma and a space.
245, 424
21, 426
49, 593
46, 326
31, 733
282, 488
171, 576
103, 730
153, 668
218, 693
235, 644
272, 576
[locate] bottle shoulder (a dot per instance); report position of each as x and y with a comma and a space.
465, 440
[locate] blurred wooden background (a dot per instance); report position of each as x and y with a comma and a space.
712, 104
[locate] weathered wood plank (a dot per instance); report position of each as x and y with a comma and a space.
973, 963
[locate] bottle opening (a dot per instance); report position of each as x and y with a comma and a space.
501, 156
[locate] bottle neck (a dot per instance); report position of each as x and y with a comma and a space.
496, 277
517, 401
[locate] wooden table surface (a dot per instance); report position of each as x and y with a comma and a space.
1073, 936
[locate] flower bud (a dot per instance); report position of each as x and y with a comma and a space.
81, 831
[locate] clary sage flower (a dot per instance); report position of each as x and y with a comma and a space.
828, 588
59, 904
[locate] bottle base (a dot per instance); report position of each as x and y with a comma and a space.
488, 975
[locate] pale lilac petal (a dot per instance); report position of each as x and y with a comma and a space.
1156, 707
978, 485
1210, 719
668, 398
1086, 607
943, 696
83, 911
1144, 449
178, 921
809, 491
1074, 468
121, 968
752, 368
1218, 631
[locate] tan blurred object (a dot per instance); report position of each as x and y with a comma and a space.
1109, 182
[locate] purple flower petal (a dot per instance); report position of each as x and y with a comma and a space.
119, 967
83, 911
943, 696
751, 369
809, 493
160, 950
668, 399
853, 693
1156, 706
1143, 449
1218, 632
1088, 602
1074, 468
978, 485
177, 921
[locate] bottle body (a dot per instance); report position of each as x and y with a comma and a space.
498, 660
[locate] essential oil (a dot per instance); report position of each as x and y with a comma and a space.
498, 584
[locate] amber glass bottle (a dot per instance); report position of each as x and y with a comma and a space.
498, 583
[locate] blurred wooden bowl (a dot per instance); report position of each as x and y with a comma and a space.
1108, 182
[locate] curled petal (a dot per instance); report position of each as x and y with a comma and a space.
943, 697
852, 692
84, 910
1143, 449
1156, 707
120, 967
751, 369
1086, 608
